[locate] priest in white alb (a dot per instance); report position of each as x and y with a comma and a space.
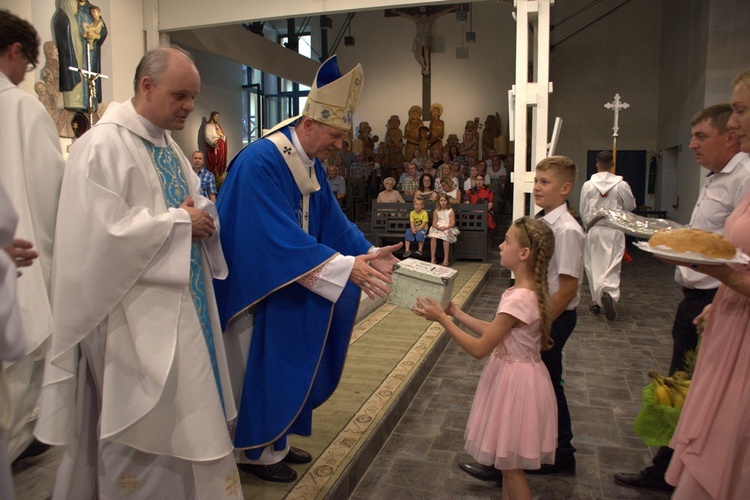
136, 384
31, 172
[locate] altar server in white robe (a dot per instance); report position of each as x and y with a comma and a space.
604, 246
31, 172
136, 385
12, 342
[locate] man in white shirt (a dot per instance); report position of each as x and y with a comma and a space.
605, 246
717, 149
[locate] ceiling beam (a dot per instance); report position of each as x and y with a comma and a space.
242, 46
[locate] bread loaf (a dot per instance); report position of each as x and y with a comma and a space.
694, 240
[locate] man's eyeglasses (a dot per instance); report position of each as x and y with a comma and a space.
32, 65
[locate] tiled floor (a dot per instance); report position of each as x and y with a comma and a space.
606, 367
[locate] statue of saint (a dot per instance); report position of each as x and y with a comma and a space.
48, 91
368, 144
471, 126
424, 142
423, 41
451, 141
411, 131
490, 132
79, 32
394, 139
216, 146
437, 128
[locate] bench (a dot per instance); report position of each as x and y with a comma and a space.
389, 222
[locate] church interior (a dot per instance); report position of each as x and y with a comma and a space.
394, 427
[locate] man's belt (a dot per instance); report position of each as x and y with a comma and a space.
697, 293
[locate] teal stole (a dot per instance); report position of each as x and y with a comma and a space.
175, 189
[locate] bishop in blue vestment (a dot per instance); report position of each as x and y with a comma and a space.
297, 264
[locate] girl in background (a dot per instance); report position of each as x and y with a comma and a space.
443, 227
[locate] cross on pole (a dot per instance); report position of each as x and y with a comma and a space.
616, 105
90, 78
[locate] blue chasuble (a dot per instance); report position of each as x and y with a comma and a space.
300, 339
175, 189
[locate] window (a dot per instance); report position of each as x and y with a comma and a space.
268, 99
252, 95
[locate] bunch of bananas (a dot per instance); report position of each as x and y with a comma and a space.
671, 391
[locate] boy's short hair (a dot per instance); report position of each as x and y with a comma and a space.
416, 200
562, 166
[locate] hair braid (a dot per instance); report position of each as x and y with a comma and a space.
542, 244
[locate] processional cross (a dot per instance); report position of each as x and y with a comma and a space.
616, 105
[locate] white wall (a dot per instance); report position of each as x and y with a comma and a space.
667, 59
587, 69
466, 88
684, 37
703, 47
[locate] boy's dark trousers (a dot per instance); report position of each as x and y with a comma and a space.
562, 328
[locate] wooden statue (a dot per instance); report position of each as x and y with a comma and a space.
394, 140
48, 91
472, 126
368, 144
490, 132
424, 142
452, 140
437, 128
411, 131
469, 148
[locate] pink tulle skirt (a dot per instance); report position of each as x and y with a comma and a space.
513, 419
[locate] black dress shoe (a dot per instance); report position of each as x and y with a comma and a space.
609, 306
277, 473
647, 479
562, 465
482, 472
297, 456
35, 448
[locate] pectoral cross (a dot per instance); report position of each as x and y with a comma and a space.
616, 105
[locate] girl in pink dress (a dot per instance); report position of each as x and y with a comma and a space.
513, 421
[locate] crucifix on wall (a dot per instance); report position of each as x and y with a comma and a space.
424, 18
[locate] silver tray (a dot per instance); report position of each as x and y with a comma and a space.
630, 223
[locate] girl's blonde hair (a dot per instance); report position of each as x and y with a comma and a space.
437, 201
537, 236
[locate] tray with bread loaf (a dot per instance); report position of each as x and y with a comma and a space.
630, 223
693, 246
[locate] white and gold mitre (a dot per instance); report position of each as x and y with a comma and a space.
333, 98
